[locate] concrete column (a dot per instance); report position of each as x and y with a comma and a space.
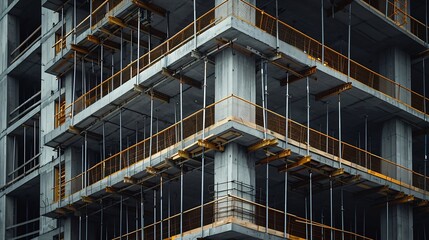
234, 169
395, 64
237, 9
396, 146
235, 74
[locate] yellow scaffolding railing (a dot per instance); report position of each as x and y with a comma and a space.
232, 209
397, 12
319, 142
267, 23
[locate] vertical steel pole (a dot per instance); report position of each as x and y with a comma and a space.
203, 137
263, 94
138, 45
311, 206
25, 145
86, 162
331, 207
121, 56
80, 227
151, 129
348, 44
322, 22
195, 24
339, 131
161, 207
306, 218
308, 116
277, 25
120, 138
327, 127
101, 220
141, 213
181, 114
120, 219
181, 202
154, 214
286, 144
101, 68
342, 214
366, 141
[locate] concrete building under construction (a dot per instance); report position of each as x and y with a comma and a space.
224, 119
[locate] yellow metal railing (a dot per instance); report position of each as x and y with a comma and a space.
398, 13
267, 23
325, 144
336, 60
108, 85
238, 210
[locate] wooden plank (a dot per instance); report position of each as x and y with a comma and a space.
283, 154
300, 75
264, 143
151, 7
209, 145
334, 91
187, 80
303, 160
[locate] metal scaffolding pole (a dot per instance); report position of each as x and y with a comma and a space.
311, 206
86, 224
342, 214
138, 45
25, 146
120, 219
80, 227
181, 202
86, 162
387, 218
169, 209
424, 107
120, 138
364, 222
339, 131
181, 114
322, 22
161, 207
348, 44
263, 95
131, 52
327, 127
306, 218
277, 25
101, 68
366, 141
286, 145
154, 214
331, 207
121, 56
101, 220
150, 129
195, 24
308, 116
202, 155
426, 22
73, 86
141, 213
